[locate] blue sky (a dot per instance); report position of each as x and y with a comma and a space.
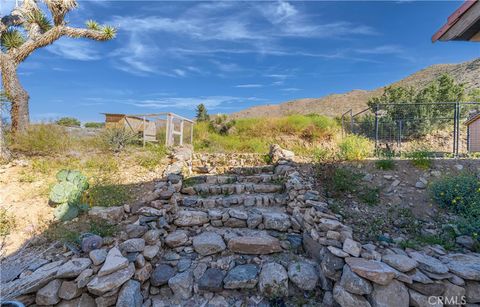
171, 56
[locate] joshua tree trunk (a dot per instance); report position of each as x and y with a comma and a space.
16, 94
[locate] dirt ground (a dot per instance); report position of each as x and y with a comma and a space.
404, 208
24, 196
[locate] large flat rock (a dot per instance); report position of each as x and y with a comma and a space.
260, 245
376, 271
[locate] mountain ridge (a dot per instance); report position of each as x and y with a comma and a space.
336, 104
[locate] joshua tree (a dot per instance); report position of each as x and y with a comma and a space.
27, 29
4, 152
202, 114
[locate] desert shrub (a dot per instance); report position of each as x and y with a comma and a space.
102, 229
7, 223
42, 139
370, 196
152, 157
116, 139
385, 164
344, 180
421, 159
460, 194
322, 154
94, 125
107, 195
67, 194
355, 147
68, 122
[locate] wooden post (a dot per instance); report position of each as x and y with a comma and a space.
191, 133
144, 128
181, 132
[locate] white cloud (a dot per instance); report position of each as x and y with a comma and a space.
385, 49
189, 102
291, 89
229, 27
74, 49
249, 85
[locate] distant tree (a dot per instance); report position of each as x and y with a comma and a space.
27, 29
396, 104
68, 122
474, 95
202, 114
94, 125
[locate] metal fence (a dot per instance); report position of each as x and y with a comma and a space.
397, 127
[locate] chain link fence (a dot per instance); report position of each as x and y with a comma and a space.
401, 127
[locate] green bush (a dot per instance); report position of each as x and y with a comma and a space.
355, 147
116, 139
421, 159
108, 195
68, 122
94, 125
7, 223
344, 180
385, 164
43, 139
460, 194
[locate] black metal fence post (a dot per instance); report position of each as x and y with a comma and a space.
454, 129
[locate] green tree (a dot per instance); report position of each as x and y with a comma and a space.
202, 114
28, 28
68, 122
395, 104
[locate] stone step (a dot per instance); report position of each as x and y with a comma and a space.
232, 178
254, 218
206, 189
246, 200
253, 170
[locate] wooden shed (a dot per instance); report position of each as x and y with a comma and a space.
473, 133
142, 126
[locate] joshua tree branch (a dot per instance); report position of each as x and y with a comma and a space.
51, 36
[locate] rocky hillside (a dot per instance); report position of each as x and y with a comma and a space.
336, 104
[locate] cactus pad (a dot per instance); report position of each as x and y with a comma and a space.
65, 212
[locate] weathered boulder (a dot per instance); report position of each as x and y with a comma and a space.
176, 238
273, 280
331, 265
130, 295
431, 289
453, 292
182, 285
472, 291
48, 295
150, 251
212, 280
100, 285
354, 283
400, 262
276, 221
395, 294
161, 275
375, 271
242, 277
136, 231
73, 267
428, 263
465, 266
69, 290
98, 256
277, 153
109, 214
132, 245
347, 299
303, 275
113, 262
259, 245
83, 301
208, 243
352, 247
420, 300
191, 218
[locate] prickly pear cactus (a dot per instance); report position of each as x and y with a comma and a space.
65, 212
67, 194
62, 191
